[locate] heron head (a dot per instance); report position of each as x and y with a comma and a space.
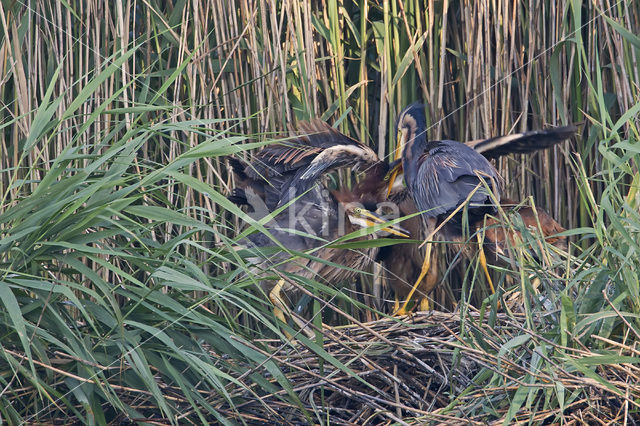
363, 217
411, 125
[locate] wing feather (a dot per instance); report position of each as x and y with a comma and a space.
293, 165
309, 139
446, 175
522, 143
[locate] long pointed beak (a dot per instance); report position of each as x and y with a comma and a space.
374, 219
393, 175
397, 155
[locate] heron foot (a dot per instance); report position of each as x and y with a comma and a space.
280, 308
401, 312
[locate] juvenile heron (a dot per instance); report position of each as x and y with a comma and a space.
498, 240
441, 176
291, 171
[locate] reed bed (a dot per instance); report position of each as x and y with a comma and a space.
406, 371
123, 297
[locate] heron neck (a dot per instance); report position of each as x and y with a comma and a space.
410, 157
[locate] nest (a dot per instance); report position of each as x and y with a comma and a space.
422, 370
432, 367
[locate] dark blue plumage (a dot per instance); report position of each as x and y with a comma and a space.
441, 175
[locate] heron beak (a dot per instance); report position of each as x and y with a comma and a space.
373, 219
400, 141
397, 155
393, 175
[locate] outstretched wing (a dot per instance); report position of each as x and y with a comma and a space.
330, 159
272, 170
315, 154
309, 139
521, 143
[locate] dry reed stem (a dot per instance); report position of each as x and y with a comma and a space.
434, 338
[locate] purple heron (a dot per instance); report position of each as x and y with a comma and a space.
441, 178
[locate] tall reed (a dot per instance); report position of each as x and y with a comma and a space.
123, 294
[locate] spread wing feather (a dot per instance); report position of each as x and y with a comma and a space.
288, 168
522, 143
308, 140
332, 150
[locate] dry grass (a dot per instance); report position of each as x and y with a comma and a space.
434, 367
115, 115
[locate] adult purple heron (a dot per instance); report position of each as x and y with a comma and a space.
291, 172
444, 176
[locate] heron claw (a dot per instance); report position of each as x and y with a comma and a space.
401, 312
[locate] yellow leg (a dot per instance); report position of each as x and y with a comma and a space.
423, 272
396, 304
431, 280
424, 304
279, 307
279, 313
483, 262
276, 300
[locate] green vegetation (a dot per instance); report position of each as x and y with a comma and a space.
122, 295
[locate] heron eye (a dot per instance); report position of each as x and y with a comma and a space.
357, 210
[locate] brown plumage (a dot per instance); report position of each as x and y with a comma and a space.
354, 260
298, 164
340, 222
499, 239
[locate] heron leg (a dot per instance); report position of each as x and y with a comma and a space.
396, 303
431, 280
483, 263
424, 304
423, 272
279, 307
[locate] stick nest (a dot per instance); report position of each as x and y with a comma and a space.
433, 367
